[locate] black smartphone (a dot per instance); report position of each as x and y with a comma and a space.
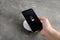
32, 20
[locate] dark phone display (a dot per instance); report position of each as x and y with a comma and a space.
32, 20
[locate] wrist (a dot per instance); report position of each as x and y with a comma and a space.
52, 34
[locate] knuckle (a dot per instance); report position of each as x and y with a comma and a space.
45, 19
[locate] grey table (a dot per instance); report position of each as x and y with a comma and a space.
11, 19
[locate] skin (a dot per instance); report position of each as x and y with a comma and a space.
48, 31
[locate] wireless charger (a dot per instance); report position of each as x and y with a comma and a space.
26, 26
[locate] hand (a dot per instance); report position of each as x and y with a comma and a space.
48, 31
46, 26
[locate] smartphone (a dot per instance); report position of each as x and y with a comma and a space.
32, 19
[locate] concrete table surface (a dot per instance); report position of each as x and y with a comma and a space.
11, 18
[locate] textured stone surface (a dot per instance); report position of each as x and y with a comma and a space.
11, 19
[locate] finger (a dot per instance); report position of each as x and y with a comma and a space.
44, 21
42, 18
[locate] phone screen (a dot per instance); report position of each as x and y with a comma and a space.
32, 20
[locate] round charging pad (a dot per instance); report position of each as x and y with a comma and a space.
26, 26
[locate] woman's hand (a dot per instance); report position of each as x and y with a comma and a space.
48, 31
